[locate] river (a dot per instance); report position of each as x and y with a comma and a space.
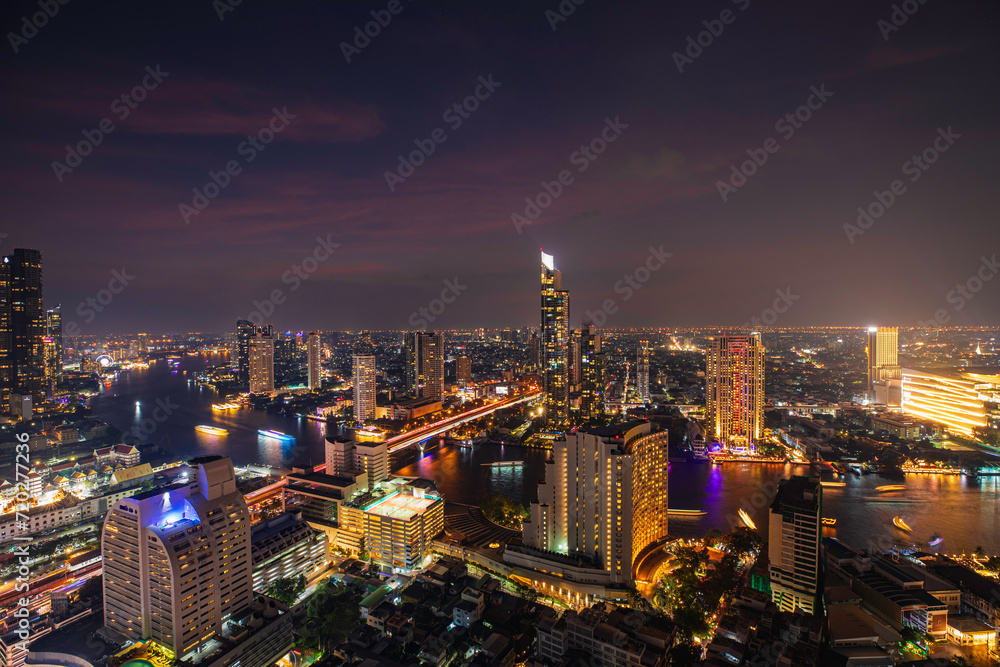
964, 511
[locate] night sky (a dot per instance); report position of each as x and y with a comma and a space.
885, 91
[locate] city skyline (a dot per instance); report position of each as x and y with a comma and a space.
314, 216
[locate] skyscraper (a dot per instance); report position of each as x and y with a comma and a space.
177, 560
884, 373
734, 390
143, 343
642, 371
53, 329
312, 350
262, 363
22, 326
286, 362
245, 330
794, 532
591, 374
463, 369
425, 364
605, 496
554, 344
364, 384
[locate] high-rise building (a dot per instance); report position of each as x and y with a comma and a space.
425, 364
793, 544
463, 369
364, 385
53, 329
262, 363
554, 344
604, 496
535, 352
642, 371
177, 560
734, 391
884, 372
591, 374
315, 380
245, 330
575, 363
143, 343
286, 366
52, 366
22, 326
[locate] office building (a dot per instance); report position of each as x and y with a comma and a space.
642, 371
262, 363
425, 364
22, 326
734, 391
364, 386
591, 374
794, 532
245, 331
884, 373
554, 344
604, 497
286, 547
53, 330
286, 366
463, 370
177, 560
312, 359
959, 400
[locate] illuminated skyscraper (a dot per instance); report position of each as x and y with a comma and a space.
364, 385
605, 496
53, 329
793, 537
463, 369
884, 372
22, 326
734, 390
555, 344
425, 364
642, 371
312, 345
177, 559
143, 343
262, 363
591, 374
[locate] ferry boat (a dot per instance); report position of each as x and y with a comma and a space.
898, 522
745, 518
221, 407
891, 487
277, 435
829, 521
686, 512
935, 540
833, 483
504, 464
211, 430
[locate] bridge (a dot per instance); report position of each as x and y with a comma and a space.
404, 440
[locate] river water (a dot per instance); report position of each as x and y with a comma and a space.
964, 511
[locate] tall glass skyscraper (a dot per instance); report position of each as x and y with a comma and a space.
22, 326
425, 364
555, 344
312, 361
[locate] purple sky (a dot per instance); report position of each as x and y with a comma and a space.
323, 176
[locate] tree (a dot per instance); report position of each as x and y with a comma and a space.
980, 552
331, 614
287, 589
741, 542
93, 589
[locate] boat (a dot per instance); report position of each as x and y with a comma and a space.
686, 512
829, 521
220, 407
504, 464
891, 487
277, 435
898, 522
833, 483
745, 518
211, 430
935, 540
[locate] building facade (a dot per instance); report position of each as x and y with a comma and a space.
554, 344
884, 373
734, 391
22, 326
794, 532
364, 387
425, 364
285, 547
313, 361
642, 371
262, 363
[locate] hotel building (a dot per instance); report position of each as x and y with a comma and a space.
734, 391
794, 532
364, 386
604, 496
554, 344
177, 560
884, 372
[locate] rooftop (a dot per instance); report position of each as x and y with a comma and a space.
399, 506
